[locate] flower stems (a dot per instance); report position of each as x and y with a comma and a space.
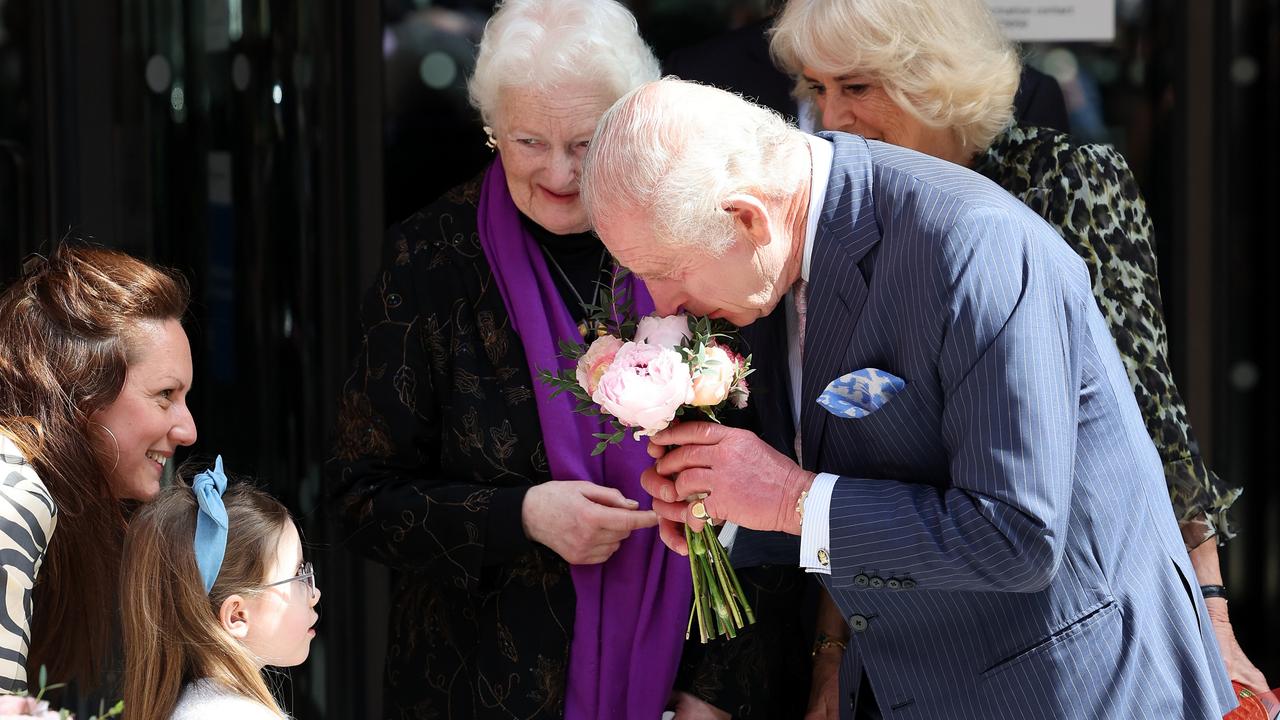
719, 604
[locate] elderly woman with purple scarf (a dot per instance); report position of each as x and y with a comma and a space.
531, 581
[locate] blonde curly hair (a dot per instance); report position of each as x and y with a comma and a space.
946, 62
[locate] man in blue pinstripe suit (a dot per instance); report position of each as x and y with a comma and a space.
996, 534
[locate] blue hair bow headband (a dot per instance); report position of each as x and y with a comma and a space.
211, 522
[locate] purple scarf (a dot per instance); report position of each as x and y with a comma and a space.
628, 630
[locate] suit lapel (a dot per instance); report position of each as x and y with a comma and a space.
838, 287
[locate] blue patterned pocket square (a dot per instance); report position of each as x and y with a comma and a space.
860, 393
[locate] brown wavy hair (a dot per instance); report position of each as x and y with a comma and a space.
68, 328
172, 631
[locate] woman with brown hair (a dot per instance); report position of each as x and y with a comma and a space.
94, 373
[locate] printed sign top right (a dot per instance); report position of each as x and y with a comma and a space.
1056, 20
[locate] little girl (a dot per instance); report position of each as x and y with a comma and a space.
213, 588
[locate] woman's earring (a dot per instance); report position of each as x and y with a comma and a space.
491, 142
113, 442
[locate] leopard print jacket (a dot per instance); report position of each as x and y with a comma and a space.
1089, 194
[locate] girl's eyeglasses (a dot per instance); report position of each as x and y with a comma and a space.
307, 576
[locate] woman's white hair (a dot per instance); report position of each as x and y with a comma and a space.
672, 152
946, 62
545, 44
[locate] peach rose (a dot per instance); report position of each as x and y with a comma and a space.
713, 378
596, 361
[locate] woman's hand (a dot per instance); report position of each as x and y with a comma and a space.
688, 707
1208, 570
1238, 665
824, 691
582, 522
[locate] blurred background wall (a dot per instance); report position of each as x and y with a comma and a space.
262, 146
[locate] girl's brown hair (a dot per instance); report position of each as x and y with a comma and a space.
67, 326
172, 631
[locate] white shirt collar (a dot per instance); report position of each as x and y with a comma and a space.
823, 155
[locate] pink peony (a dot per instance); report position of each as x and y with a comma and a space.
644, 387
596, 361
15, 706
713, 378
666, 331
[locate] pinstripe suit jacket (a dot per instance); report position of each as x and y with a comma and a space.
1001, 540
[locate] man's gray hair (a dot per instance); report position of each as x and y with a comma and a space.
672, 152
546, 44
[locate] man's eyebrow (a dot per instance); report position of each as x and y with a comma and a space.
670, 272
653, 275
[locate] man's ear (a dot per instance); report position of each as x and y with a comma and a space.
234, 616
750, 218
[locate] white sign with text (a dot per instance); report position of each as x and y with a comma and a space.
1056, 20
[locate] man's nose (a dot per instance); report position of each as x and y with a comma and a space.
667, 299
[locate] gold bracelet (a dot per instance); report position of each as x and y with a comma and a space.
826, 642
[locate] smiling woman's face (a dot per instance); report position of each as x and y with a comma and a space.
149, 419
542, 137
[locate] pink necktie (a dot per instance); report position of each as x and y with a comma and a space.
800, 296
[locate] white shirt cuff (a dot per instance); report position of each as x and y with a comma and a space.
727, 534
815, 531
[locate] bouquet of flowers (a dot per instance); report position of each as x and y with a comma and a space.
17, 706
640, 376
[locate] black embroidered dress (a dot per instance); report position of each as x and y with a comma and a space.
438, 443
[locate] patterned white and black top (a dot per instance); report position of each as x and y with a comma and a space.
27, 521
